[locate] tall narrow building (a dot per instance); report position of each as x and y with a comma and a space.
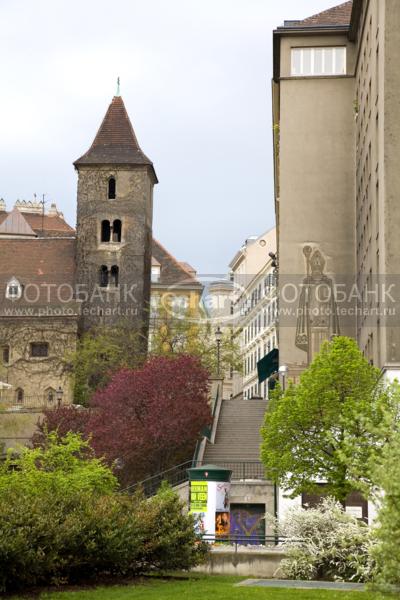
336, 114
114, 225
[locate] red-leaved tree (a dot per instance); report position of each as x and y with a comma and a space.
145, 420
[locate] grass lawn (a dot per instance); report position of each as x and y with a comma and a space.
203, 588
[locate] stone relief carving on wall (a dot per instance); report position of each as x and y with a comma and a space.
317, 315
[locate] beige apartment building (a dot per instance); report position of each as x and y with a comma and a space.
336, 118
254, 310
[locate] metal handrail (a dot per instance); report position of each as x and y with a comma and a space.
241, 471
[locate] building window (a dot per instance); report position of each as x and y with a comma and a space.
116, 230
112, 188
50, 395
155, 273
19, 395
114, 279
13, 289
105, 231
6, 355
39, 349
308, 62
103, 276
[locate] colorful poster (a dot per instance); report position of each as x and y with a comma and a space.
221, 524
222, 496
198, 496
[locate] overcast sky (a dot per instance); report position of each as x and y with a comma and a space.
195, 78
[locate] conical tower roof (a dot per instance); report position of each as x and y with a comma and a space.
115, 142
16, 225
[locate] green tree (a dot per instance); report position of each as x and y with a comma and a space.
100, 353
387, 478
58, 467
194, 335
332, 426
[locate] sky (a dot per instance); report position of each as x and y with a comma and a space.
196, 81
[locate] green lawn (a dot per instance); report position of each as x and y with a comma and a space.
203, 588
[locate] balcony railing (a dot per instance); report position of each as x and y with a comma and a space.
12, 404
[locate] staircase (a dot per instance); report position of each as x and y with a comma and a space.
237, 436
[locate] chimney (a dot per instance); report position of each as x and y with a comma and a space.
2, 205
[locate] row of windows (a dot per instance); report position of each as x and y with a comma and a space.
262, 321
308, 62
261, 291
50, 395
37, 350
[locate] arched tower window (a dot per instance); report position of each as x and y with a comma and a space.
105, 231
103, 276
19, 395
114, 275
117, 230
112, 188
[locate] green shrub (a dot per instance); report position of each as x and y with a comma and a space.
326, 543
387, 550
62, 521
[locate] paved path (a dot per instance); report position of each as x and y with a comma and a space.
303, 585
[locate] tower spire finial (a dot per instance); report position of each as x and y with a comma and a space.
118, 87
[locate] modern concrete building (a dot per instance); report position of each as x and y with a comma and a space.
254, 309
336, 112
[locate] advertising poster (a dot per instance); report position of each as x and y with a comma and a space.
222, 496
198, 496
222, 524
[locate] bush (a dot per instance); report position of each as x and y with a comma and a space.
387, 550
62, 521
326, 543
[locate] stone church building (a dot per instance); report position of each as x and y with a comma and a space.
56, 283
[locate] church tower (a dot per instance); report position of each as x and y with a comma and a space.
114, 225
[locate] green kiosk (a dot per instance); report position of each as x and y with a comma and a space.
209, 500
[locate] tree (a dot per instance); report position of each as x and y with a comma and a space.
194, 335
100, 353
387, 550
146, 419
332, 426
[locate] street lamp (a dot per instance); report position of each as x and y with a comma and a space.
59, 395
218, 338
283, 371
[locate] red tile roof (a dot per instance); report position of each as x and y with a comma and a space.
172, 272
115, 142
337, 15
52, 225
42, 266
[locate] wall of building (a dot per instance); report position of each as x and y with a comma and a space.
315, 206
37, 376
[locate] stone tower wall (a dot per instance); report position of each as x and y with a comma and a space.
133, 206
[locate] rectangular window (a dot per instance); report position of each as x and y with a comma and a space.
308, 62
6, 355
39, 349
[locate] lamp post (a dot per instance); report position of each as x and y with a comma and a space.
218, 338
59, 396
283, 370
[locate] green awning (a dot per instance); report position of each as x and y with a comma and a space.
268, 365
